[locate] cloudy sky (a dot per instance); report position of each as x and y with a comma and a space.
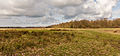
25, 13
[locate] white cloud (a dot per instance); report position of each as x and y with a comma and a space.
116, 13
43, 12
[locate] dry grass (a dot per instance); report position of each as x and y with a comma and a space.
59, 42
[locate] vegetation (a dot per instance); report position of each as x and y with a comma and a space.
101, 23
56, 42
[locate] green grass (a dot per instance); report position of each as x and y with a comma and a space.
58, 43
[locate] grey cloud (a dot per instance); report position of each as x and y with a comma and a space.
43, 12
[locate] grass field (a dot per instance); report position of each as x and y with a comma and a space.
59, 42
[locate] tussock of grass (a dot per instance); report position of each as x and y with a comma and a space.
58, 43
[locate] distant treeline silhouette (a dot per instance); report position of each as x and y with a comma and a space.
100, 23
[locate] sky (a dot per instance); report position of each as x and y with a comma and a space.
35, 13
116, 11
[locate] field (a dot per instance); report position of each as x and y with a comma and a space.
59, 42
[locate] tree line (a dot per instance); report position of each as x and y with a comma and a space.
100, 23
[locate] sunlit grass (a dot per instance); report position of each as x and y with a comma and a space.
59, 42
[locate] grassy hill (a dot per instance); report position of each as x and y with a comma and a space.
100, 23
59, 42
